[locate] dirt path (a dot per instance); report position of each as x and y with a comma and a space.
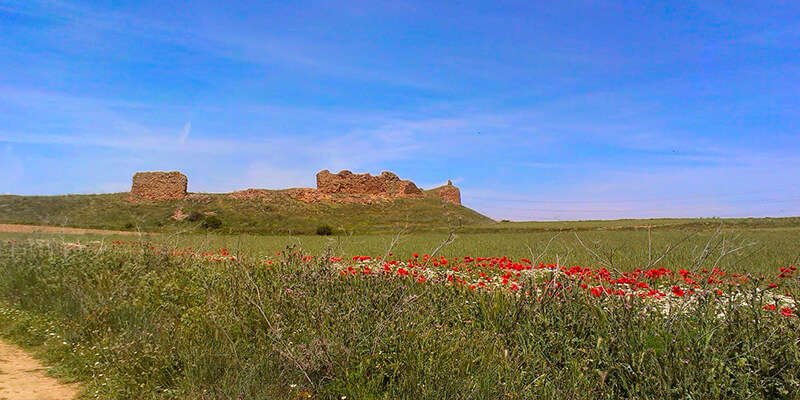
16, 228
23, 378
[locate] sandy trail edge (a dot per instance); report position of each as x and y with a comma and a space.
23, 378
17, 228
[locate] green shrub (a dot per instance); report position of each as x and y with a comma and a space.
211, 222
324, 230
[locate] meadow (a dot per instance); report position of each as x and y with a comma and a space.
750, 248
661, 312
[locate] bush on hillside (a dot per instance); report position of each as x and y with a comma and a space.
211, 222
324, 230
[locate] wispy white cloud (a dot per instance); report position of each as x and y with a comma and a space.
184, 136
362, 137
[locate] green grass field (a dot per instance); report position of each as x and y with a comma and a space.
224, 316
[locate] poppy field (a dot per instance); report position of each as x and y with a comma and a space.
611, 315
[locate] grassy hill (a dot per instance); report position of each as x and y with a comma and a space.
280, 214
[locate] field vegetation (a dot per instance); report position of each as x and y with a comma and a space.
283, 215
218, 212
625, 245
614, 313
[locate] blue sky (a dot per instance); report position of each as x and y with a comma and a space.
537, 110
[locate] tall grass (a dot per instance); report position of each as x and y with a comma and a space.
132, 321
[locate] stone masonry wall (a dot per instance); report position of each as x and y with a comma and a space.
449, 193
159, 186
344, 187
385, 184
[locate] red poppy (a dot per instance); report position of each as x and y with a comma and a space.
786, 311
677, 291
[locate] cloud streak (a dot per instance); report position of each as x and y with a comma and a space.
184, 136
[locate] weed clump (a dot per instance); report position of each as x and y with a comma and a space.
324, 230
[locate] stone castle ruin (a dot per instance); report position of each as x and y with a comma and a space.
343, 187
159, 186
385, 184
449, 193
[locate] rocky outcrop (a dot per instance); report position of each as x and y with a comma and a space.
159, 186
449, 193
386, 184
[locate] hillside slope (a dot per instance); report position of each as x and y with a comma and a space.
279, 214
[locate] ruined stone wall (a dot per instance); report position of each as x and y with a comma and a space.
159, 186
385, 184
344, 187
449, 193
